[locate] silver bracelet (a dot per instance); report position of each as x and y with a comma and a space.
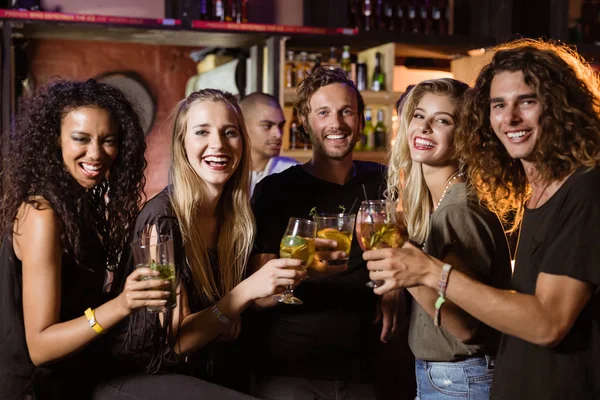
224, 320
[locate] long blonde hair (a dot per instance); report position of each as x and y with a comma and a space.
236, 221
406, 183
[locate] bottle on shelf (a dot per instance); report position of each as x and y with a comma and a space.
302, 68
355, 14
290, 70
367, 12
378, 82
379, 22
361, 76
388, 16
317, 62
229, 10
332, 62
401, 16
369, 131
294, 134
346, 63
425, 17
218, 10
380, 132
439, 15
204, 10
242, 11
413, 19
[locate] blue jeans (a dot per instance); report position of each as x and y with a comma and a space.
469, 379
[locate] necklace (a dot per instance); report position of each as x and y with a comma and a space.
453, 177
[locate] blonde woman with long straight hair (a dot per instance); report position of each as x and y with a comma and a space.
206, 210
454, 352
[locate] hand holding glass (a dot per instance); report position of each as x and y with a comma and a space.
298, 242
338, 227
156, 253
378, 228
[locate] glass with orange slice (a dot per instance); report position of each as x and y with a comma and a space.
338, 227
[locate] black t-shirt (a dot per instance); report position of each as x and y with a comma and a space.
559, 238
326, 337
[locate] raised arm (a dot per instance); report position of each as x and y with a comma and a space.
37, 244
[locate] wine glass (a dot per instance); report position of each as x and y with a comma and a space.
378, 228
338, 227
297, 242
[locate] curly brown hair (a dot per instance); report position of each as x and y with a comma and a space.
317, 79
33, 168
569, 92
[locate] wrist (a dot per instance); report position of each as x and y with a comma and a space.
431, 278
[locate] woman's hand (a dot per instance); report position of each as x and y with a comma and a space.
274, 276
399, 268
142, 293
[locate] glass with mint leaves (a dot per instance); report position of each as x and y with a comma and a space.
378, 228
156, 252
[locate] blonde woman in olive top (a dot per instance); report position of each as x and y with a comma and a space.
454, 352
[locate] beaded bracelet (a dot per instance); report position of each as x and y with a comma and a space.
224, 320
441, 291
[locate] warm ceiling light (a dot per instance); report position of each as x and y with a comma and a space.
476, 52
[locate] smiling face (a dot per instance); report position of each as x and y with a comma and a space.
515, 114
431, 130
89, 144
265, 126
213, 142
333, 123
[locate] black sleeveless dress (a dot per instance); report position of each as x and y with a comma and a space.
70, 377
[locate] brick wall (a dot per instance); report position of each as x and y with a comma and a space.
165, 70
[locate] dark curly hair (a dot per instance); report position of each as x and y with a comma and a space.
569, 93
33, 168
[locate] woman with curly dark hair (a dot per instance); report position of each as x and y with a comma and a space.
72, 178
529, 134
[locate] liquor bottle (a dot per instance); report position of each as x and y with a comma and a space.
401, 16
425, 17
355, 13
361, 76
378, 82
332, 62
294, 134
413, 20
388, 16
369, 131
230, 10
346, 61
204, 9
242, 13
367, 11
290, 70
443, 21
218, 12
317, 63
379, 22
302, 68
380, 132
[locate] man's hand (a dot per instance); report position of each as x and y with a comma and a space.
387, 312
328, 260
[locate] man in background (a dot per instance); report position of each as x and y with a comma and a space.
265, 121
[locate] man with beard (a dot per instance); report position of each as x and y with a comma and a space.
264, 121
320, 349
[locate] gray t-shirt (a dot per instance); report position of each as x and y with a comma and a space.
473, 233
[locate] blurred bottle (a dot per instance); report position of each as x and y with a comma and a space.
302, 68
218, 11
378, 82
367, 12
332, 62
388, 16
290, 70
425, 20
401, 16
440, 16
379, 22
204, 10
242, 14
317, 62
361, 76
413, 19
298, 138
355, 14
369, 131
380, 132
229, 10
346, 63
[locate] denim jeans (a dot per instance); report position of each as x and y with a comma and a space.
469, 379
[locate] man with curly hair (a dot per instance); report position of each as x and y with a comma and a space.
529, 137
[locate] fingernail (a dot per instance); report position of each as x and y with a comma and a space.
155, 272
167, 282
343, 254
